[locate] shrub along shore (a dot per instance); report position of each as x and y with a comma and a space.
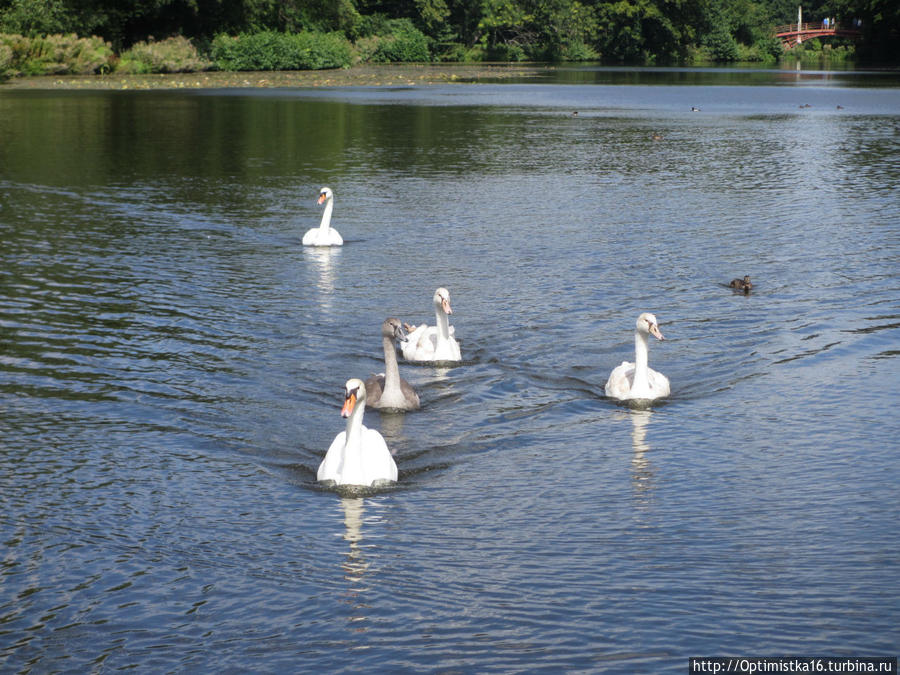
268, 50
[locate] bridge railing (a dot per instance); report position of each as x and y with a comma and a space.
809, 26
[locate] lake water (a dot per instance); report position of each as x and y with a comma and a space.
173, 362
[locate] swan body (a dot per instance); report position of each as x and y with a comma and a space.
433, 343
324, 234
358, 455
742, 284
637, 381
387, 390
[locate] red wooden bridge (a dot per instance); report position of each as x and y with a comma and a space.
793, 34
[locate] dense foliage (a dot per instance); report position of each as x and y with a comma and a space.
269, 50
237, 32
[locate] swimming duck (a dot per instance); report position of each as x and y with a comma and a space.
742, 284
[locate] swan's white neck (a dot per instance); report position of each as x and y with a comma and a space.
326, 215
641, 382
353, 441
391, 369
442, 321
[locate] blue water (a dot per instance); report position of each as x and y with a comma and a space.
173, 362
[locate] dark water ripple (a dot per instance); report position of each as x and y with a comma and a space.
172, 363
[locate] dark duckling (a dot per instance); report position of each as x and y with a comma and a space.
742, 284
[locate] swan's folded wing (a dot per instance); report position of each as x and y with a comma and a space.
659, 383
374, 389
619, 383
409, 393
427, 340
419, 345
331, 464
379, 464
409, 348
457, 355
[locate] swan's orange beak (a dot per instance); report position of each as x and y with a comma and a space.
321, 199
654, 329
349, 404
445, 303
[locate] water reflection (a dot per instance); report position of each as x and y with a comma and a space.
355, 564
691, 76
641, 470
324, 259
441, 372
392, 426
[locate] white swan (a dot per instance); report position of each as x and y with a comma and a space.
357, 456
387, 390
433, 343
630, 381
324, 235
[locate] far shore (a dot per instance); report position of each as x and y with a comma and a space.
364, 75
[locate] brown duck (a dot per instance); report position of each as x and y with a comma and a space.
742, 284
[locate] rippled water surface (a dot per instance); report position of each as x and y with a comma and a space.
173, 360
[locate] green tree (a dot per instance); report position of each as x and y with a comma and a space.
565, 28
638, 30
505, 22
35, 17
433, 15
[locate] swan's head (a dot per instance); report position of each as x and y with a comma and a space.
442, 300
647, 324
393, 329
325, 194
355, 394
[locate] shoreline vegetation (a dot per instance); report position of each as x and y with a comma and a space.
276, 60
124, 38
